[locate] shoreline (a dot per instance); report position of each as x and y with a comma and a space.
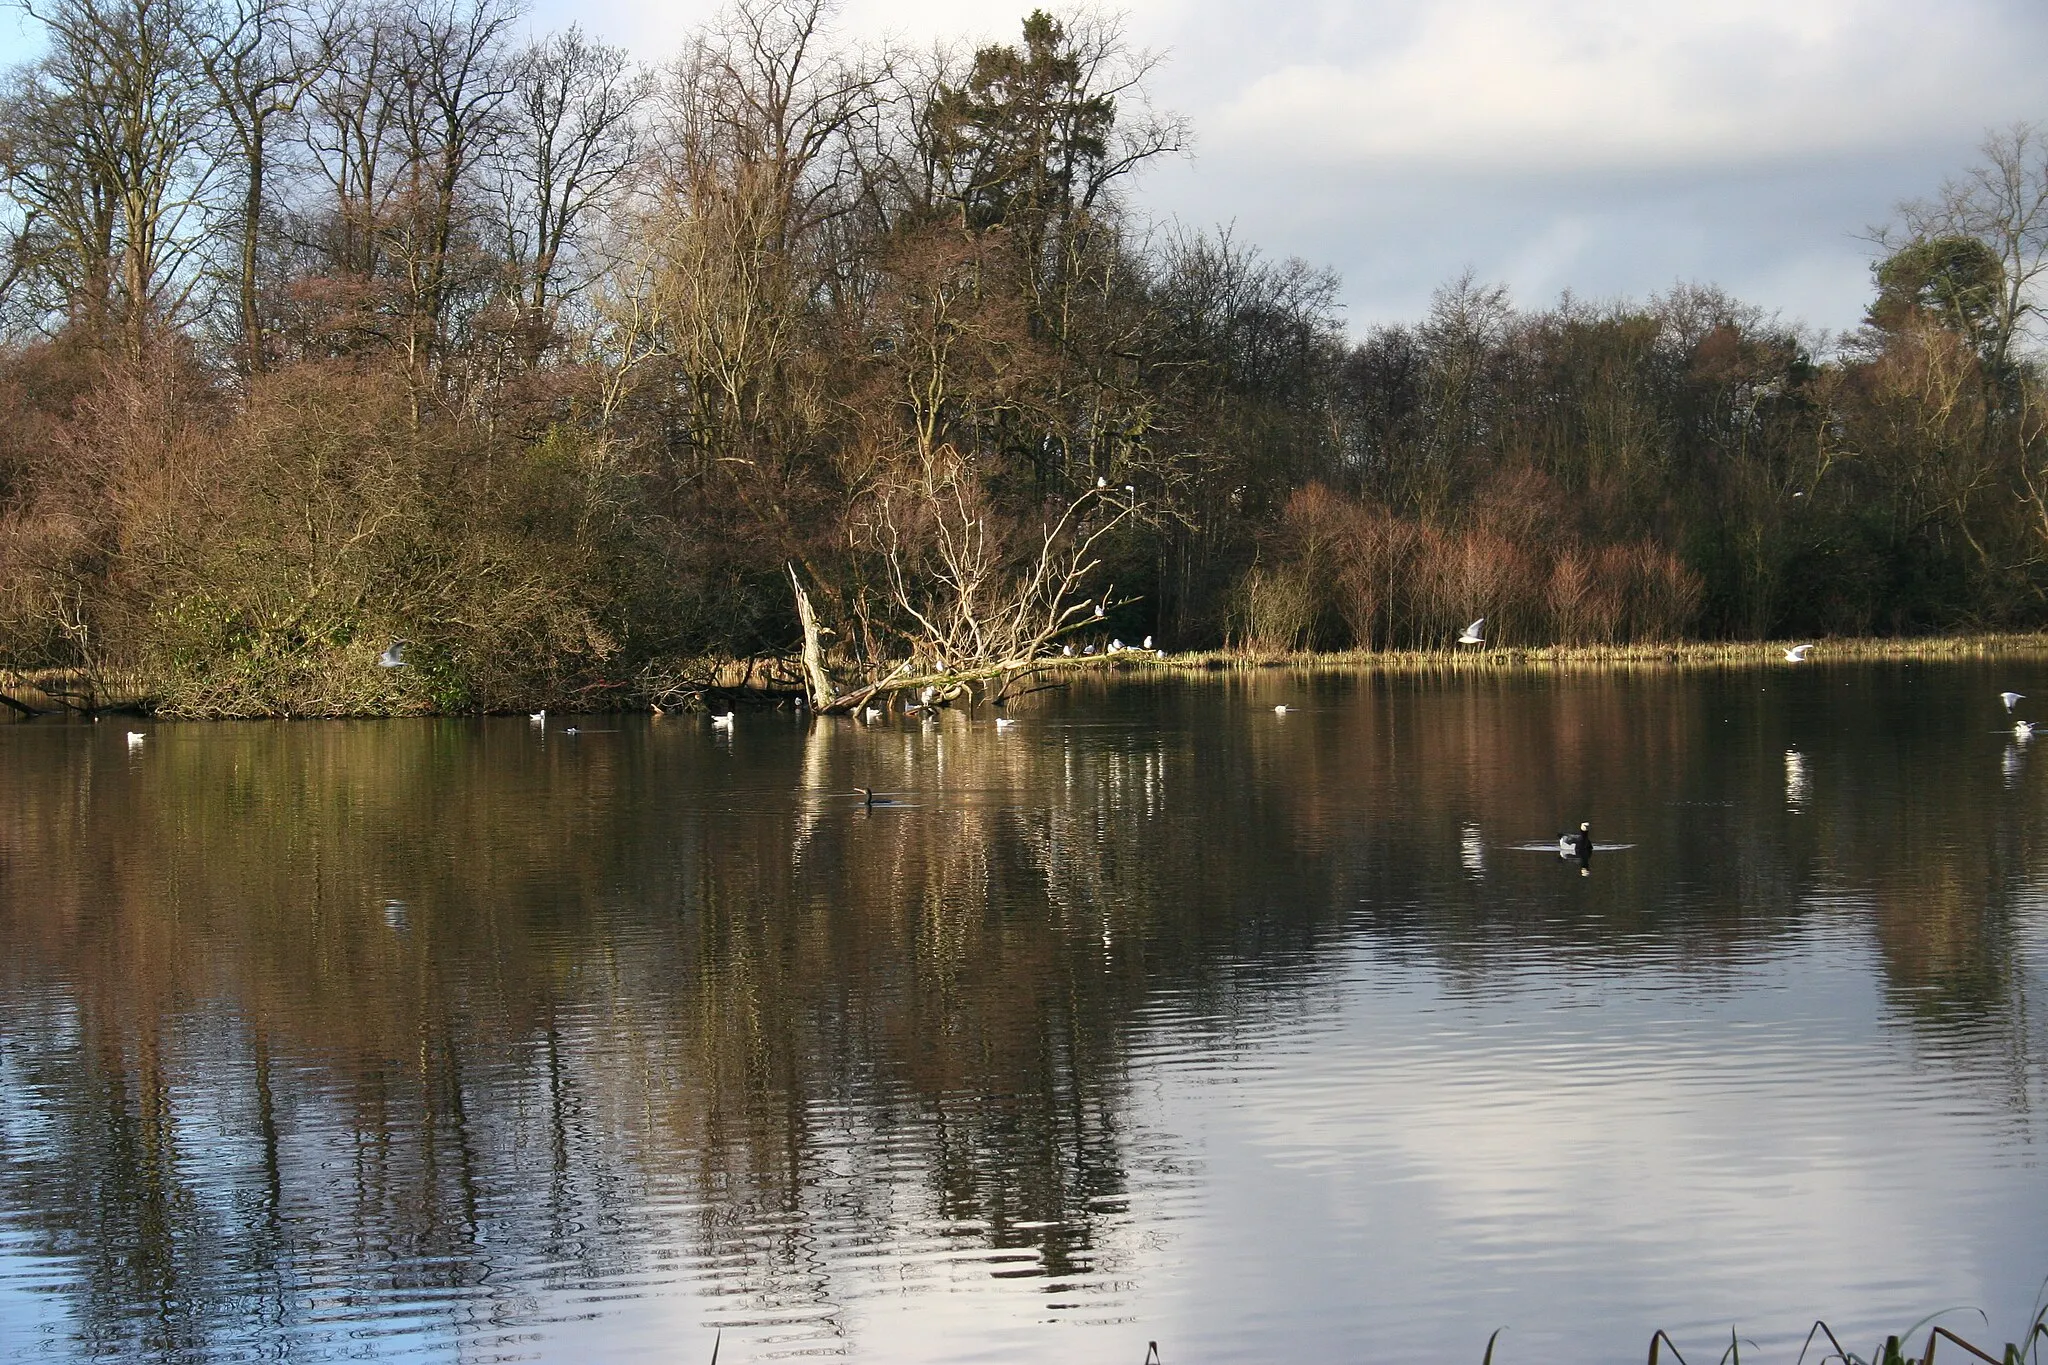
1686, 655
24, 698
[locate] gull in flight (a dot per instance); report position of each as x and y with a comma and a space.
2010, 697
393, 655
1797, 654
2023, 729
1471, 635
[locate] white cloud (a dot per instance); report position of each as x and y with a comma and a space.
1570, 84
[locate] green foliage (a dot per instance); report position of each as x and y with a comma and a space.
1953, 282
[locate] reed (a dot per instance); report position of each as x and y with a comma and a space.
1695, 655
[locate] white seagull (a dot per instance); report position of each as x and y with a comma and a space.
2010, 697
1280, 710
393, 655
1797, 654
723, 722
2023, 729
135, 738
1471, 635
1005, 721
1147, 644
873, 713
539, 717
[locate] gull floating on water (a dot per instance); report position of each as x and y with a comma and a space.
1066, 651
1797, 654
1003, 721
1281, 709
723, 722
135, 738
2023, 729
1471, 635
2010, 697
393, 655
539, 717
872, 713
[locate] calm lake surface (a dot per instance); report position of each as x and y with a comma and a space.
1156, 1016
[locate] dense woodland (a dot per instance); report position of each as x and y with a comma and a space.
330, 323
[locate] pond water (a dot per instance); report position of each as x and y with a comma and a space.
1155, 1016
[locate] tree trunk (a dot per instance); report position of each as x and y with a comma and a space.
820, 682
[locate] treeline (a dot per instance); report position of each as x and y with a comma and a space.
333, 323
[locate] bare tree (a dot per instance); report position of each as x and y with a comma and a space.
110, 157
2002, 201
261, 57
573, 134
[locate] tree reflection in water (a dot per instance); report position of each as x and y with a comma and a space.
407, 1026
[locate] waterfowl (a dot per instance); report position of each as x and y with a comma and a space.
2023, 729
135, 738
540, 717
393, 655
1582, 848
1280, 710
1797, 654
1147, 644
1002, 722
2010, 697
723, 722
1471, 635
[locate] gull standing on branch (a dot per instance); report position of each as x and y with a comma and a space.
1472, 635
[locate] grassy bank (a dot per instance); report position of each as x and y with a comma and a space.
776, 681
1692, 655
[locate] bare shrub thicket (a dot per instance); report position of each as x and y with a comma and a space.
1344, 572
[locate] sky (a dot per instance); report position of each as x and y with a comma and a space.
1609, 147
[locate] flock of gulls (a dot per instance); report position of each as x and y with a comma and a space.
1577, 846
